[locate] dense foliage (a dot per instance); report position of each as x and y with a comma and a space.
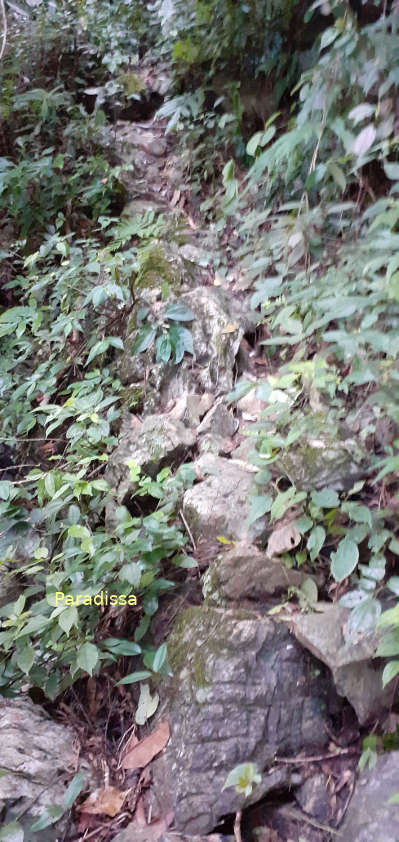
312, 199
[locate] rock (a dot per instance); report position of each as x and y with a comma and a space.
355, 675
156, 442
323, 463
313, 797
40, 758
216, 337
242, 691
220, 504
219, 421
245, 572
369, 815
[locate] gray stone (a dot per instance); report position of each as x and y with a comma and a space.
351, 663
245, 572
216, 341
242, 691
369, 815
41, 758
216, 337
219, 420
156, 442
220, 504
312, 795
320, 463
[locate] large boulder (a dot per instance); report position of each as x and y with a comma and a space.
242, 691
370, 816
40, 758
220, 504
355, 674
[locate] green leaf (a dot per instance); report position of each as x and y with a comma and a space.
253, 143
25, 659
344, 561
159, 658
87, 657
392, 171
163, 348
315, 541
131, 573
144, 339
5, 489
325, 499
68, 618
179, 312
133, 677
259, 506
74, 789
12, 832
391, 670
242, 778
394, 799
122, 647
181, 340
389, 645
51, 816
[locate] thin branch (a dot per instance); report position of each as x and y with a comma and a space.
4, 33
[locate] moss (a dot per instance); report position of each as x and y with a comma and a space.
211, 587
132, 397
198, 634
155, 268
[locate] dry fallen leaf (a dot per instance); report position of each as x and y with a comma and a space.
175, 198
283, 539
107, 801
146, 749
230, 328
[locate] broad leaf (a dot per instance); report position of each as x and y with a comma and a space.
344, 561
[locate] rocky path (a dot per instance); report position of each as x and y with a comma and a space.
281, 691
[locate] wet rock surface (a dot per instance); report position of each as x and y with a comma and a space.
370, 818
242, 690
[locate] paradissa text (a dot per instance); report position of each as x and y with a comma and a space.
102, 598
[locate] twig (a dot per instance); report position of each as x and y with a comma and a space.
317, 757
297, 815
4, 33
193, 544
237, 826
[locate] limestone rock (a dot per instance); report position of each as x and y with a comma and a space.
156, 442
242, 691
323, 463
216, 337
369, 815
220, 504
245, 572
41, 758
355, 675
